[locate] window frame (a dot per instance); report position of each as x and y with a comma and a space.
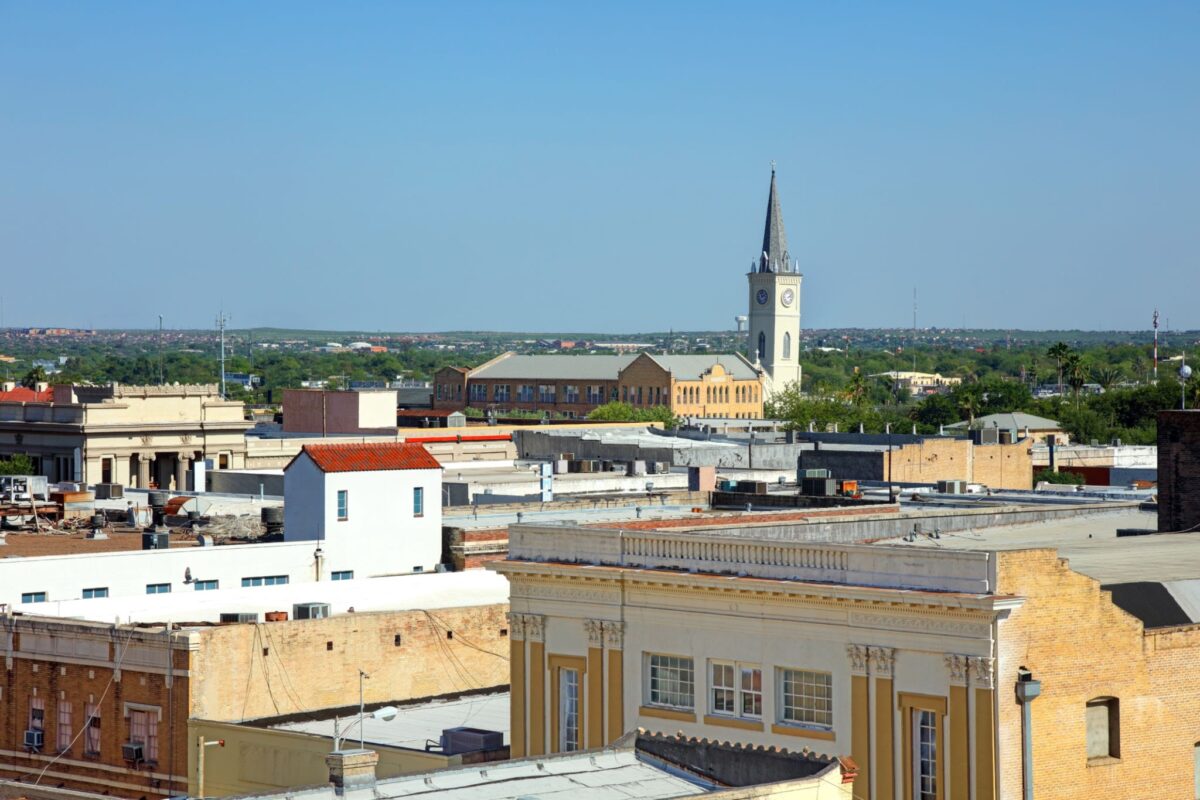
34, 597
96, 593
911, 706
92, 738
1112, 744
342, 575
157, 588
650, 678
557, 665
63, 725
738, 671
265, 580
418, 502
208, 585
342, 499
781, 698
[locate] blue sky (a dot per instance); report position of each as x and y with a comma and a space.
597, 167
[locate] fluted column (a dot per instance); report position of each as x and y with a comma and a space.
535, 632
860, 718
614, 640
181, 470
516, 663
595, 682
983, 679
883, 660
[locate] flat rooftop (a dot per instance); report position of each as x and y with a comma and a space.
393, 593
419, 723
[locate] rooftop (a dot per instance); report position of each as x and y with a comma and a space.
1018, 420
375, 457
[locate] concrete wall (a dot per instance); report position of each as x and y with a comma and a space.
227, 482
245, 672
1178, 470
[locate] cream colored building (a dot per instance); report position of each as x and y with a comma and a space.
132, 435
920, 383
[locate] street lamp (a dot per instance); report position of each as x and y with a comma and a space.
385, 714
202, 743
1027, 690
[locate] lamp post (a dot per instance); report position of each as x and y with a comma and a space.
1027, 690
201, 744
386, 714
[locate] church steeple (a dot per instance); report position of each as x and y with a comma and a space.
774, 256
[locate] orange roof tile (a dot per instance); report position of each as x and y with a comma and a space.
24, 395
370, 457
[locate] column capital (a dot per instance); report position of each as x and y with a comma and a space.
595, 632
858, 655
614, 635
883, 661
958, 669
983, 672
535, 627
516, 626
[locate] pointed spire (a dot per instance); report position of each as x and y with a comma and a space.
774, 256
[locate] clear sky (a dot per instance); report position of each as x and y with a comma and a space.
570, 166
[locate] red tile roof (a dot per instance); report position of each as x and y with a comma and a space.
23, 395
370, 457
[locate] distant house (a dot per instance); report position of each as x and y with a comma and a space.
1022, 426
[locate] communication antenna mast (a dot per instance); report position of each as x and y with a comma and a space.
222, 318
1156, 345
914, 311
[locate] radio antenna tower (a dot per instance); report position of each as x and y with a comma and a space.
914, 311
1156, 345
222, 318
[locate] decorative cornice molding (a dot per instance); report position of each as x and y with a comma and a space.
614, 635
883, 661
535, 627
858, 655
983, 672
595, 632
516, 626
958, 669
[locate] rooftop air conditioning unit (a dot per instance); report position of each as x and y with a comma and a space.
34, 739
155, 540
310, 611
470, 740
132, 751
239, 616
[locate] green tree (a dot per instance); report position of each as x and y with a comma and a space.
968, 398
934, 411
16, 464
33, 378
1065, 478
1059, 352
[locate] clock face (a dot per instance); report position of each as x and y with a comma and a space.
762, 297
787, 297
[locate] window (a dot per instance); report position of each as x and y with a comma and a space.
343, 504
806, 697
143, 730
568, 710
595, 395
92, 594
925, 755
524, 393
265, 580
736, 689
91, 735
546, 393
418, 501
37, 713
343, 575
762, 347
478, 392
1103, 728
33, 597
787, 346
63, 728
672, 681
570, 394
158, 588
206, 586
501, 393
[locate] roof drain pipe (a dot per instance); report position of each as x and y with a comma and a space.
1027, 691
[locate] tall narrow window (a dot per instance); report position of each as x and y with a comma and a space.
418, 501
568, 710
64, 725
1103, 728
925, 755
91, 735
143, 730
762, 347
37, 714
343, 504
787, 346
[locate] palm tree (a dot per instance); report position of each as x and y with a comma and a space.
856, 389
1107, 377
34, 377
1076, 372
1059, 352
968, 398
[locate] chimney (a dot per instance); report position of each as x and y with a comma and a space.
350, 770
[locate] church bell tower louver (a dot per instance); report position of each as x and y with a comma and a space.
774, 342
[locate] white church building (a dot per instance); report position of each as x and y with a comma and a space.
774, 318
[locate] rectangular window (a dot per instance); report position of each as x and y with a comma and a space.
736, 689
418, 501
143, 730
37, 713
1102, 721
33, 597
343, 504
64, 725
925, 755
92, 594
501, 393
672, 681
570, 394
343, 575
265, 580
91, 735
206, 586
524, 393
478, 392
568, 710
158, 588
806, 697
546, 393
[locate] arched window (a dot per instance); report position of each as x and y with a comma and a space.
762, 347
787, 346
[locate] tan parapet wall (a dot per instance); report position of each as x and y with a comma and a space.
275, 668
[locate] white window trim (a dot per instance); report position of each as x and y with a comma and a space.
127, 707
647, 698
781, 699
737, 666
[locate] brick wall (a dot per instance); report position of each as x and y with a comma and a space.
1081, 647
1178, 470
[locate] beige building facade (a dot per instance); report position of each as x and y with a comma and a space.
138, 436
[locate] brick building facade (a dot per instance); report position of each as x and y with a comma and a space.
1178, 470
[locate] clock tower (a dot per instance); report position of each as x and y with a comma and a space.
775, 303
